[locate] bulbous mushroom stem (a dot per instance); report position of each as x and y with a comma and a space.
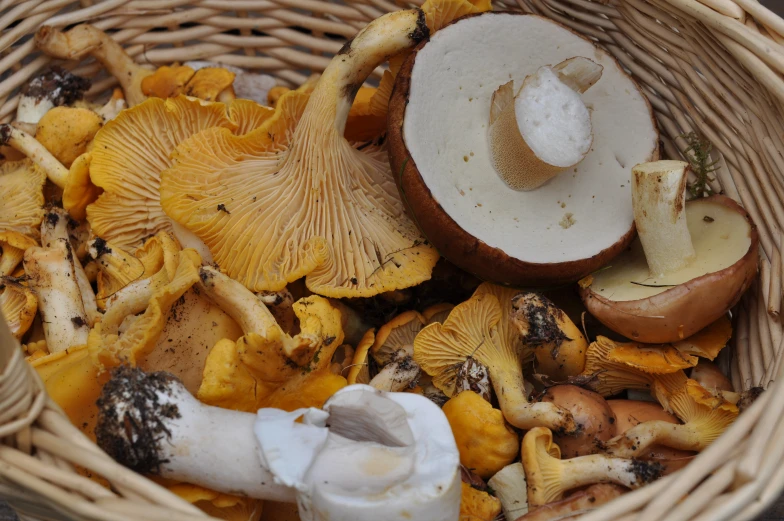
545, 127
659, 203
36, 152
151, 424
85, 40
638, 439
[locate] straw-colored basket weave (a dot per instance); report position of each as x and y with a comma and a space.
713, 66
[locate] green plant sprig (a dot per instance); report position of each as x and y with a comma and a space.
698, 154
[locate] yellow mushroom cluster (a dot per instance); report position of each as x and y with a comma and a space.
263, 255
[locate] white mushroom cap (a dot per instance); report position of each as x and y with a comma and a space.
582, 216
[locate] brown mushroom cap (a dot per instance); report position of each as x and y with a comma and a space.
591, 412
710, 377
683, 310
444, 217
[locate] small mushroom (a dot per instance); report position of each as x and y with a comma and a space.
706, 417
486, 443
54, 88
396, 335
559, 346
691, 264
591, 413
167, 82
438, 122
472, 330
549, 478
576, 504
86, 40
328, 462
18, 304
66, 132
709, 376
630, 413
21, 202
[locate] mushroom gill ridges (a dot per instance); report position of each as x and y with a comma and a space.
132, 421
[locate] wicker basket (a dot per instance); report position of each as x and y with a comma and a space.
714, 67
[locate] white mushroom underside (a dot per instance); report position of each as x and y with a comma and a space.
446, 134
719, 244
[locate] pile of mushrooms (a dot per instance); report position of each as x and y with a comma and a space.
303, 302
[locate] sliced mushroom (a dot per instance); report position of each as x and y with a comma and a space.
439, 144
691, 265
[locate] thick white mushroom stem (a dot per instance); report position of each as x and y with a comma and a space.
54, 229
545, 127
548, 477
659, 203
151, 424
36, 152
51, 276
84, 40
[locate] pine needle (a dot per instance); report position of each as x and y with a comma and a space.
698, 154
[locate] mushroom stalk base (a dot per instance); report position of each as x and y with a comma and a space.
636, 440
518, 411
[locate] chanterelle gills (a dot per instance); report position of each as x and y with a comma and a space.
317, 207
366, 455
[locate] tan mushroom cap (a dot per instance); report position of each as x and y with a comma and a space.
680, 308
398, 333
167, 82
328, 211
590, 411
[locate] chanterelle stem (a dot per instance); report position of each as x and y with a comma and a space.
659, 203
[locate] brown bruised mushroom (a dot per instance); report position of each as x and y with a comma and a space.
692, 263
549, 478
472, 330
630, 413
440, 151
591, 413
559, 346
330, 211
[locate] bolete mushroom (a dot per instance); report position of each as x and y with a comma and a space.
440, 148
691, 264
548, 477
330, 211
471, 330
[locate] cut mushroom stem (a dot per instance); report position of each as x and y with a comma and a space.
38, 154
548, 477
545, 127
84, 40
510, 487
366, 454
659, 203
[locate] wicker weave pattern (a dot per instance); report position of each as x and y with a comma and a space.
713, 66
